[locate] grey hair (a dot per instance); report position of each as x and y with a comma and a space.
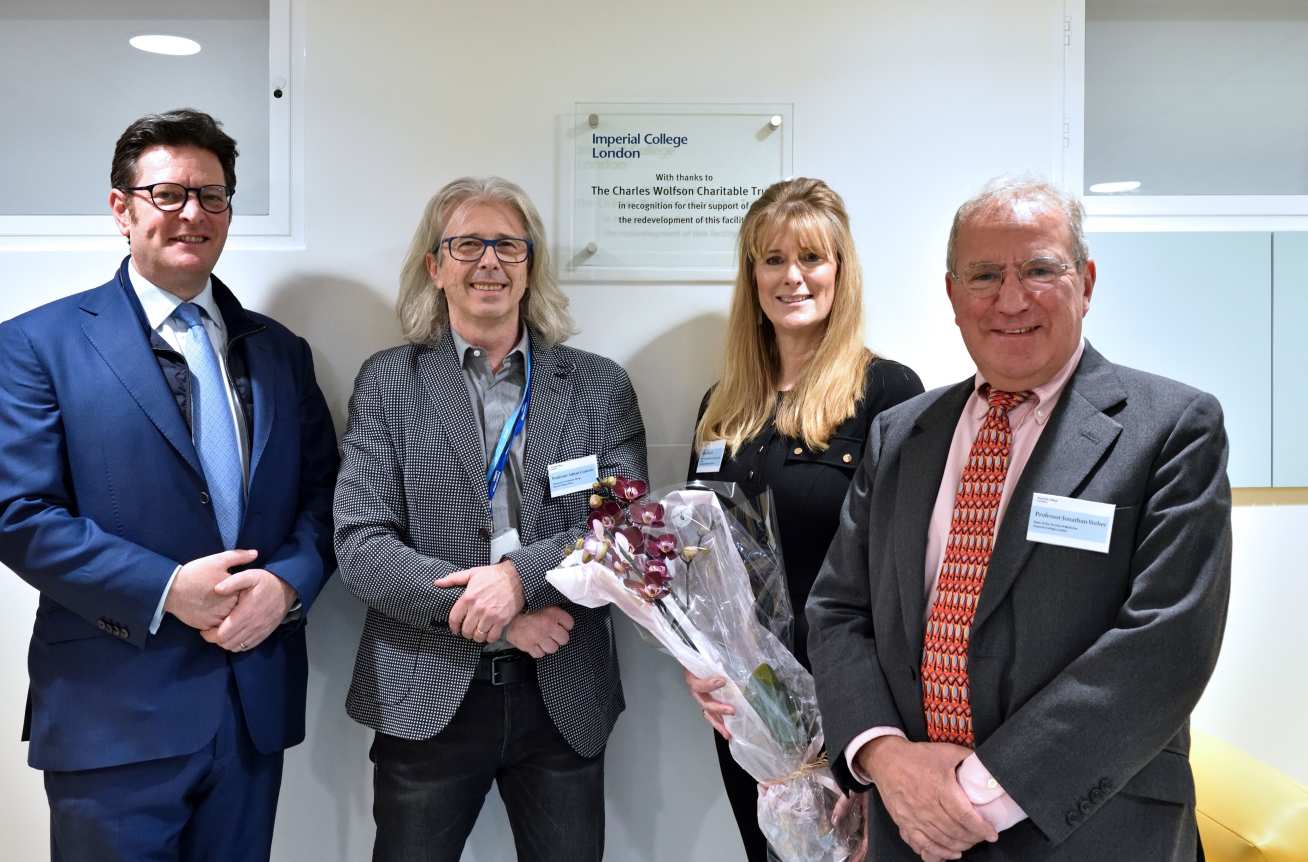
424, 312
1005, 194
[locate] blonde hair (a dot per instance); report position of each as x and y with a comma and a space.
830, 388
423, 310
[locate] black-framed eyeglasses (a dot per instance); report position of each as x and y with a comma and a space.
1037, 274
509, 249
171, 197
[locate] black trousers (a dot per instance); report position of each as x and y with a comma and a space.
742, 793
428, 793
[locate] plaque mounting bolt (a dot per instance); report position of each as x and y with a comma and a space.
775, 122
591, 248
593, 121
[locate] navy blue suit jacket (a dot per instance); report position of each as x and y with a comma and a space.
102, 496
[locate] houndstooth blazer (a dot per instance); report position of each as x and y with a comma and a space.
411, 507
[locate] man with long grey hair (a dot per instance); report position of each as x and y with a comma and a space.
468, 461
1026, 594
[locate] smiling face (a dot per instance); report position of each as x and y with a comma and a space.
1019, 338
796, 284
485, 294
175, 250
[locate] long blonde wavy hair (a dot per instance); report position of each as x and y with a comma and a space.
423, 310
828, 391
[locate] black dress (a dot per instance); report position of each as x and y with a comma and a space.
808, 489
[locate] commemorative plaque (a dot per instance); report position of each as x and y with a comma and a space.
658, 190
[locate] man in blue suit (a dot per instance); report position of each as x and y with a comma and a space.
166, 471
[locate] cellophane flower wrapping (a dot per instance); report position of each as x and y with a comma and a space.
700, 605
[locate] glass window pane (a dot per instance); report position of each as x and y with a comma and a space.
70, 83
1197, 97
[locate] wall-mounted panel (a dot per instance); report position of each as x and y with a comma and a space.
80, 57
1289, 359
1196, 307
1160, 71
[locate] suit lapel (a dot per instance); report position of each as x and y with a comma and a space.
114, 329
263, 370
442, 375
921, 468
551, 393
261, 366
1078, 435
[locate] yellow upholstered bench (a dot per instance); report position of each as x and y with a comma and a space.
1248, 812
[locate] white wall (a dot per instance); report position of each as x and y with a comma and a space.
905, 107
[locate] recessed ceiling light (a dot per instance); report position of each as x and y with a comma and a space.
1114, 188
176, 46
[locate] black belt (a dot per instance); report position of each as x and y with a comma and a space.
505, 668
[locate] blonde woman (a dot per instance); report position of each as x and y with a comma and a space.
798, 392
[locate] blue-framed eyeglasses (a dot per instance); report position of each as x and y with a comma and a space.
469, 249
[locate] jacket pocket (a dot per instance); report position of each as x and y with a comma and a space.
1166, 777
61, 626
388, 656
842, 452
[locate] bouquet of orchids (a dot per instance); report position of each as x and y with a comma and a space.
691, 576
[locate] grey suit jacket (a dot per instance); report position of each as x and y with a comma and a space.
411, 507
1083, 666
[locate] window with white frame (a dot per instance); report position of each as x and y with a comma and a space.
1188, 112
77, 72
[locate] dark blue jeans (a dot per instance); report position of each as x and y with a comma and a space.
427, 793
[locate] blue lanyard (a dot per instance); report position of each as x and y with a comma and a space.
512, 427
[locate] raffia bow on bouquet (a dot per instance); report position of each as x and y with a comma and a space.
687, 573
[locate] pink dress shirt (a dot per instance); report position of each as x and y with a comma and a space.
1028, 421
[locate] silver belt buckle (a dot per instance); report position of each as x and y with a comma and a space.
496, 661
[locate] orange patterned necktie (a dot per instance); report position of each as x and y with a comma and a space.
962, 573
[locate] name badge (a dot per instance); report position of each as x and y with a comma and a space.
710, 457
568, 477
503, 544
1072, 523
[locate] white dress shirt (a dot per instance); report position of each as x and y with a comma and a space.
159, 306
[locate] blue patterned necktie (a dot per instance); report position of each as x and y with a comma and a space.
212, 427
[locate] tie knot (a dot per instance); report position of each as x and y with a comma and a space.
190, 314
1004, 401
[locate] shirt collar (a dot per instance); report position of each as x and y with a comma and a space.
159, 304
1043, 397
461, 346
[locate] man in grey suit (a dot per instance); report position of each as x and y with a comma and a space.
466, 474
1027, 591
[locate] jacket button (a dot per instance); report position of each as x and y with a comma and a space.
847, 457
204, 498
1073, 818
1084, 806
102, 625
484, 532
799, 450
